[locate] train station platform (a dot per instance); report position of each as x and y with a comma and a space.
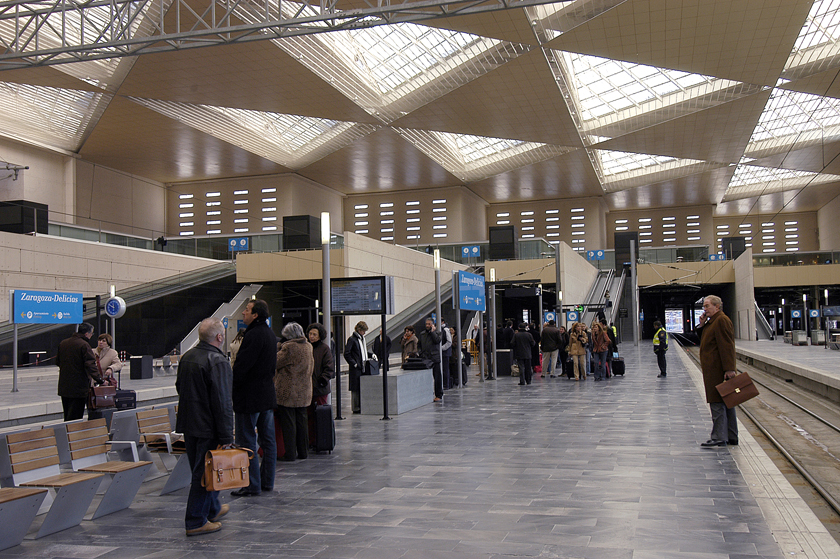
559, 468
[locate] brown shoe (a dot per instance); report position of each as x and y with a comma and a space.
208, 528
222, 511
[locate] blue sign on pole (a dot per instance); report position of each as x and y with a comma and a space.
814, 313
796, 314
47, 307
595, 254
719, 256
549, 315
238, 243
572, 316
471, 292
471, 251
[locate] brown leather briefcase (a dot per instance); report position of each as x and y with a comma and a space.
737, 390
102, 397
226, 468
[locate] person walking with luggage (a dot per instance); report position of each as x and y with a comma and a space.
77, 370
205, 417
550, 342
600, 347
355, 353
254, 399
409, 343
523, 341
717, 361
577, 350
660, 346
565, 362
293, 386
107, 360
430, 353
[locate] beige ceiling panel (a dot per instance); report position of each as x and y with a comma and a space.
818, 158
568, 176
379, 162
824, 83
698, 135
519, 100
137, 140
743, 40
808, 199
700, 189
505, 25
258, 76
46, 76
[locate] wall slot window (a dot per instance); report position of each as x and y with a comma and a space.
439, 218
269, 200
186, 233
214, 212
270, 228
412, 203
362, 214
211, 204
239, 202
386, 213
213, 194
412, 212
240, 211
185, 205
189, 214
412, 220
186, 224
242, 230
269, 209
266, 190
240, 192
443, 201
214, 231
184, 196
503, 222
386, 205
360, 207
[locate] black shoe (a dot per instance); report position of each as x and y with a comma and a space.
732, 442
553, 376
244, 492
521, 384
713, 442
660, 375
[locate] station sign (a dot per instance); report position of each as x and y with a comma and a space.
595, 254
572, 316
715, 257
796, 313
471, 251
814, 313
237, 243
549, 316
471, 292
46, 307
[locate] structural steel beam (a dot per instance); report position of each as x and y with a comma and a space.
49, 32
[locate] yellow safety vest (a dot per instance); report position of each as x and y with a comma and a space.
656, 338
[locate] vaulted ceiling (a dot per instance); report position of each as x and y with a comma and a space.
646, 103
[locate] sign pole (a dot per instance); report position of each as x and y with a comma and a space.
383, 364
456, 294
15, 360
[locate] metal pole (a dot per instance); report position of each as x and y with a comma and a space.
383, 364
491, 332
539, 321
634, 293
15, 360
558, 305
439, 318
481, 346
456, 296
326, 303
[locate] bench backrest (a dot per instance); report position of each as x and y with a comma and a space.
88, 442
153, 421
32, 455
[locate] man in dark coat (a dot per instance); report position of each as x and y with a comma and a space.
254, 398
717, 360
205, 417
355, 353
550, 346
76, 369
523, 341
430, 353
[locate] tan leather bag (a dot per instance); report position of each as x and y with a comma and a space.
737, 390
226, 468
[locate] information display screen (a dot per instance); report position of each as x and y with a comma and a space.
674, 320
697, 314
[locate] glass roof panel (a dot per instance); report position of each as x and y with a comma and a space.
752, 180
618, 170
818, 46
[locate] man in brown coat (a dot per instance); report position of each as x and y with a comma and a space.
717, 360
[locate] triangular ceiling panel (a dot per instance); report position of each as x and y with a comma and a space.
506, 25
701, 189
720, 38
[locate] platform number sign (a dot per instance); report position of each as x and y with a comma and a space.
814, 313
549, 316
572, 316
237, 243
796, 314
595, 254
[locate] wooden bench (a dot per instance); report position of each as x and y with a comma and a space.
18, 508
158, 437
33, 457
89, 445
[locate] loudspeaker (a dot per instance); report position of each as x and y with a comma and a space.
503, 244
20, 216
733, 247
301, 232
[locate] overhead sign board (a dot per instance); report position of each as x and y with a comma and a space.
364, 295
719, 256
46, 307
238, 243
595, 254
814, 313
796, 313
572, 316
549, 316
471, 292
471, 251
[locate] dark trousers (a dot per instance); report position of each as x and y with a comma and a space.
600, 361
436, 374
447, 380
295, 427
724, 422
525, 372
660, 359
261, 474
201, 504
74, 408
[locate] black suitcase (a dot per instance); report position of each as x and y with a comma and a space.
125, 400
414, 364
324, 429
569, 368
618, 366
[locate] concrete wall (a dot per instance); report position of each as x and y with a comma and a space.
743, 317
58, 264
828, 225
785, 276
562, 213
49, 179
686, 273
651, 225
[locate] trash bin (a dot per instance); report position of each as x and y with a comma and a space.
141, 367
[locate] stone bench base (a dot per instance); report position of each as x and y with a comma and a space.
407, 390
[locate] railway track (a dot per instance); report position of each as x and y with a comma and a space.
800, 431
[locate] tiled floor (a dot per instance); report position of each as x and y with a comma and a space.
555, 469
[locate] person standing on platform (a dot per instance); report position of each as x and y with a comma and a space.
550, 343
205, 417
76, 371
523, 341
717, 361
660, 346
383, 354
577, 349
600, 347
107, 360
293, 386
430, 353
409, 343
355, 353
446, 353
253, 397
508, 335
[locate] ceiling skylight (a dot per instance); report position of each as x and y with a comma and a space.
618, 170
290, 140
390, 70
552, 20
792, 117
751, 180
471, 158
609, 98
818, 44
59, 118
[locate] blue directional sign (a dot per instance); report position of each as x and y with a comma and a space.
471, 251
549, 315
471, 292
814, 313
238, 243
46, 307
572, 316
595, 254
719, 256
796, 314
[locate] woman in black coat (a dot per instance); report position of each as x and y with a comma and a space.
355, 353
324, 370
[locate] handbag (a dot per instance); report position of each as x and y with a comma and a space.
737, 390
102, 397
514, 369
226, 468
371, 367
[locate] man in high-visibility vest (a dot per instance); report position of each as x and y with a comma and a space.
660, 346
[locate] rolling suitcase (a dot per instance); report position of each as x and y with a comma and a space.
618, 366
125, 400
569, 368
324, 429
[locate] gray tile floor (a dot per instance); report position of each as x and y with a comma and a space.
555, 469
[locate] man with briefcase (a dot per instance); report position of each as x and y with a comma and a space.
205, 417
717, 361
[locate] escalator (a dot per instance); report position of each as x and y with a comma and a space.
763, 330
